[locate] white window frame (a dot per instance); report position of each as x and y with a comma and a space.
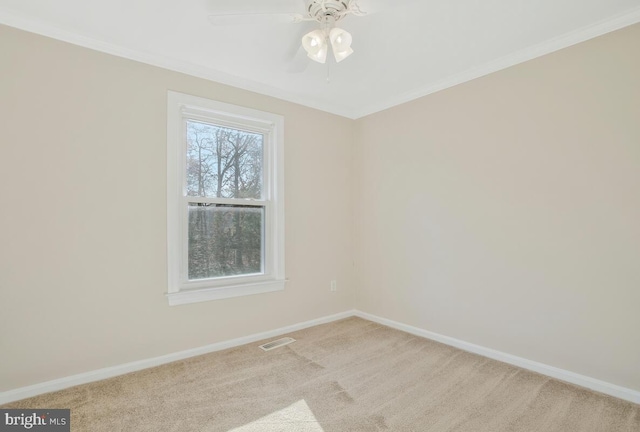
181, 290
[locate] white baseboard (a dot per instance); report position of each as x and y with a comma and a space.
109, 372
554, 372
100, 374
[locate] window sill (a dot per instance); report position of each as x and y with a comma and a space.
206, 294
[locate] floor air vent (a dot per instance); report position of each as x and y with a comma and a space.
277, 343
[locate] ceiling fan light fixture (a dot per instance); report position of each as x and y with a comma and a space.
341, 43
315, 44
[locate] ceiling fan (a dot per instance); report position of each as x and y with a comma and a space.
326, 13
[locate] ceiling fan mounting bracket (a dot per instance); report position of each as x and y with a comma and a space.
333, 10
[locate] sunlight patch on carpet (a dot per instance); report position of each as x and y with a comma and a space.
297, 416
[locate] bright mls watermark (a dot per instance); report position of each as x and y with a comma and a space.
42, 420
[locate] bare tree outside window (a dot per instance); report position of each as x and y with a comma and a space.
224, 239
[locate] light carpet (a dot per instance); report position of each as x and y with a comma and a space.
349, 375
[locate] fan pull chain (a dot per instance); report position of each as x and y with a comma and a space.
328, 73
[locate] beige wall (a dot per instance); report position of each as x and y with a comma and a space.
83, 215
506, 211
503, 212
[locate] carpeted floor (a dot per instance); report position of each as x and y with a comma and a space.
350, 375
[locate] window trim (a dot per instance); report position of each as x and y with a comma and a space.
181, 107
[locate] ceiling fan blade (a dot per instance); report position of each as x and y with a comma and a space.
255, 6
299, 63
297, 58
228, 19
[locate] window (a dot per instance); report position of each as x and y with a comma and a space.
225, 208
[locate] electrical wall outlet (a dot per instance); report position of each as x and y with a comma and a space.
334, 286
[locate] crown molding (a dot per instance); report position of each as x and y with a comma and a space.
564, 41
13, 19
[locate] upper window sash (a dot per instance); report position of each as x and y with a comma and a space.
215, 118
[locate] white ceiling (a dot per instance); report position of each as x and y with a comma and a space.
413, 49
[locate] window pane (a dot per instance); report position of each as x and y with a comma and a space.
223, 162
225, 240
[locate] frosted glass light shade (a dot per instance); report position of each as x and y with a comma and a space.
341, 43
315, 44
